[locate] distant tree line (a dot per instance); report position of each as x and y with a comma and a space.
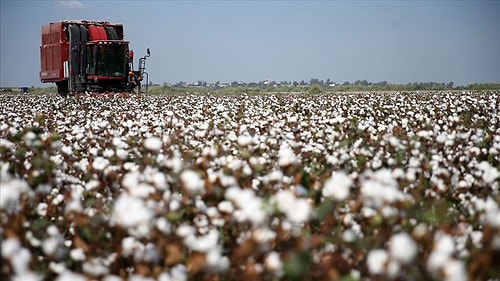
315, 85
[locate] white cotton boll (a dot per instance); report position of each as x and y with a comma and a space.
95, 267
263, 235
185, 230
284, 199
130, 246
493, 218
77, 254
393, 269
297, 210
153, 144
11, 191
174, 205
216, 262
122, 153
179, 272
349, 235
444, 244
159, 180
141, 190
58, 268
108, 153
225, 207
75, 205
130, 180
441, 138
93, 151
286, 156
437, 260
100, 163
27, 276
403, 248
444, 247
380, 188
103, 124
490, 173
70, 276
130, 211
58, 199
455, 270
9, 247
377, 260
51, 244
273, 263
301, 211
205, 243
41, 209
244, 140
254, 211
20, 260
192, 181
163, 225
337, 187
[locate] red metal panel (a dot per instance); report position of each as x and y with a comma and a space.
97, 33
53, 52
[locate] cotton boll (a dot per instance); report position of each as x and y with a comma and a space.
455, 270
27, 276
444, 247
95, 267
402, 248
380, 188
216, 262
377, 261
185, 230
251, 207
274, 264
337, 187
51, 245
11, 191
444, 244
9, 247
70, 276
77, 254
41, 209
297, 210
163, 225
300, 212
131, 212
153, 144
286, 156
192, 182
100, 163
490, 173
18, 256
244, 140
225, 207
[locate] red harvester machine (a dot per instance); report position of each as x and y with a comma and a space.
89, 57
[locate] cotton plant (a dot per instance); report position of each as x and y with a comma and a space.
276, 187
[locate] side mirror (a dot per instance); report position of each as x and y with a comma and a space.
148, 52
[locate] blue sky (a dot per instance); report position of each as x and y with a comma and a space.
395, 41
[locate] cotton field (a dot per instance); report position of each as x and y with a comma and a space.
342, 186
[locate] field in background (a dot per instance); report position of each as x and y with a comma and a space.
287, 186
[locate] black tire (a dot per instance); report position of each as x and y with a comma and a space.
62, 88
111, 33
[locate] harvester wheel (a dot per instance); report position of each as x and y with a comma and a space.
62, 88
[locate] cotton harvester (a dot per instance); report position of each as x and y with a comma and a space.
89, 57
